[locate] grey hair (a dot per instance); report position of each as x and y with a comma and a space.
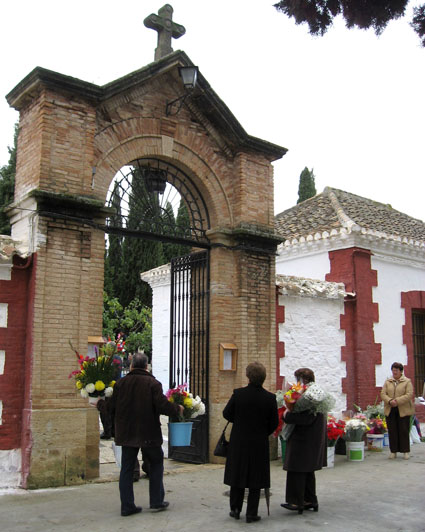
139, 360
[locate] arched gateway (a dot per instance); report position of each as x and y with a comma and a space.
73, 138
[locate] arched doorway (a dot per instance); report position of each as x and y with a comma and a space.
143, 201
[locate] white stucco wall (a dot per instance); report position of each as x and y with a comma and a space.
10, 468
314, 266
313, 339
394, 277
160, 281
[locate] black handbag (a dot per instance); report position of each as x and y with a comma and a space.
222, 444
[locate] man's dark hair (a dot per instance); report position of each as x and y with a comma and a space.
397, 365
139, 360
256, 373
305, 375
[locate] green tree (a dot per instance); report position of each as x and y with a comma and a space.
113, 253
182, 229
134, 322
139, 255
7, 185
363, 14
306, 187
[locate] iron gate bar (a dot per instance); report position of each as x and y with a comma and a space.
189, 340
152, 236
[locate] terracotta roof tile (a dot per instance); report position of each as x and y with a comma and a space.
334, 209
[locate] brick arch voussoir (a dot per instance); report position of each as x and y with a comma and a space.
206, 179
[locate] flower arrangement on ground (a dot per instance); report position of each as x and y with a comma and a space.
193, 406
307, 398
355, 429
377, 426
335, 429
95, 376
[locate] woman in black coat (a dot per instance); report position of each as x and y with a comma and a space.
253, 412
305, 453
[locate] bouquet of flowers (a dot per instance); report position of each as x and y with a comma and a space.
377, 426
293, 394
335, 429
308, 398
355, 429
95, 376
193, 406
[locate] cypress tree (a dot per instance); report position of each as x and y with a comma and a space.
306, 187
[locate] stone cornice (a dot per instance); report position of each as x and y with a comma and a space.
209, 105
160, 276
289, 285
390, 246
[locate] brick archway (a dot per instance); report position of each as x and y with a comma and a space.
74, 136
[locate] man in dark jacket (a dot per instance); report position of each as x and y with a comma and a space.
136, 405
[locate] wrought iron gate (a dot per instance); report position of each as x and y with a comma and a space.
189, 339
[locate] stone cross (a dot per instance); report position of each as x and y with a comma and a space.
166, 28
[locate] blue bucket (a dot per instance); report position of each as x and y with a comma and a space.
179, 434
386, 440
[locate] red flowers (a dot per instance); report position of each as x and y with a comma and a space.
335, 430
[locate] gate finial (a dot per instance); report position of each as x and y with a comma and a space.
166, 28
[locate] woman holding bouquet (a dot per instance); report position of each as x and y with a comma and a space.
253, 412
306, 444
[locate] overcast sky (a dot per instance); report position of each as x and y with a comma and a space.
349, 105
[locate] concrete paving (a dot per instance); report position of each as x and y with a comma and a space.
374, 495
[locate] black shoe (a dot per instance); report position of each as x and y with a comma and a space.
160, 507
293, 507
104, 436
252, 518
311, 506
235, 514
135, 510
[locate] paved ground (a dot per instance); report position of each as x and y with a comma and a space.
374, 495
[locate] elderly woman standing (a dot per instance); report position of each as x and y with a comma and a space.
397, 394
253, 412
305, 453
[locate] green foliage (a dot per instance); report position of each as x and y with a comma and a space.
133, 321
363, 14
307, 187
7, 185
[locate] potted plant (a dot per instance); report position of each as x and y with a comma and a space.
180, 427
355, 428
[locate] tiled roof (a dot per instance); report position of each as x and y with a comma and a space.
336, 209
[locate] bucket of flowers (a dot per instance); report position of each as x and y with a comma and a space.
355, 429
95, 376
335, 429
375, 436
180, 427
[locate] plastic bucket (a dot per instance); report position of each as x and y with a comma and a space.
179, 434
375, 442
386, 442
355, 451
331, 456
